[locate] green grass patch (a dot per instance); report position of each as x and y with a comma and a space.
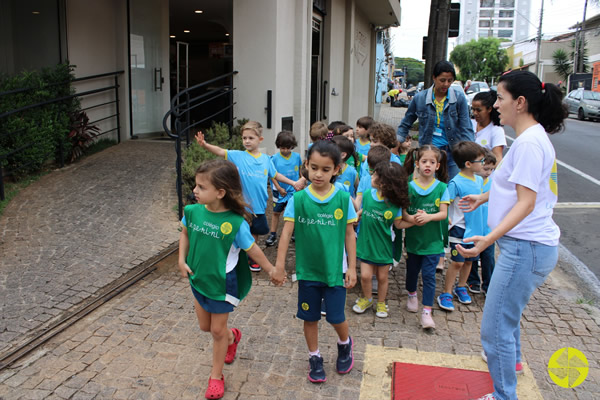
582, 300
11, 189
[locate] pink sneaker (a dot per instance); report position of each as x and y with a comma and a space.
426, 320
412, 304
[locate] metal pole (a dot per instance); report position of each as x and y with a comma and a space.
118, 112
179, 184
1, 185
539, 43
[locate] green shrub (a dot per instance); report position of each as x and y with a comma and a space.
38, 134
219, 135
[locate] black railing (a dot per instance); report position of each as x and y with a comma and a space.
188, 109
5, 172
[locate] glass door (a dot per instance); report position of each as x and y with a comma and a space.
149, 56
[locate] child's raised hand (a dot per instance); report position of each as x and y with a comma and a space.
184, 269
200, 139
350, 280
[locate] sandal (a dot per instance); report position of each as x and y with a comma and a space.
232, 349
216, 388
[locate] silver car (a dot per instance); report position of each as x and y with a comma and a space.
584, 103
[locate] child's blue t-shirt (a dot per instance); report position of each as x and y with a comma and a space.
255, 172
364, 183
472, 222
362, 148
365, 166
348, 178
289, 167
425, 191
396, 158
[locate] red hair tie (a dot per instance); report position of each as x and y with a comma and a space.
543, 86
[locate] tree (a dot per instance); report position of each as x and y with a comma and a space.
582, 56
415, 69
481, 60
562, 65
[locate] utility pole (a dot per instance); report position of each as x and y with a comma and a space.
437, 36
539, 43
581, 48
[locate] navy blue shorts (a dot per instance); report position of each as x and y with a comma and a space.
459, 233
219, 306
279, 207
259, 225
310, 294
373, 263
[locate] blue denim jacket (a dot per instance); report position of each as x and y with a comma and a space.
456, 118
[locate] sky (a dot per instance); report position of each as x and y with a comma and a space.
559, 15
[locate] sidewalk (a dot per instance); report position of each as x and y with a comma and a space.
146, 344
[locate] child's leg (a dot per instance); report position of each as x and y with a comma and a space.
221, 335
451, 273
428, 267
366, 275
413, 267
465, 270
311, 334
383, 282
203, 317
275, 221
342, 330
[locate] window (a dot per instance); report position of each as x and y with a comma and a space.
506, 14
484, 33
486, 13
485, 23
507, 3
505, 33
505, 24
486, 3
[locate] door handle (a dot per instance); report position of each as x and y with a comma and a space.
158, 79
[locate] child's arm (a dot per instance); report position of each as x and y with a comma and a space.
421, 218
350, 242
357, 202
257, 255
216, 150
284, 243
298, 185
184, 245
402, 224
409, 218
278, 187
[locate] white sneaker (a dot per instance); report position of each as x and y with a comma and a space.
412, 304
489, 396
426, 320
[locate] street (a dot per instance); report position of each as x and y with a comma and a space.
579, 185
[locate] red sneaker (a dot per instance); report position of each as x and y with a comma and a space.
232, 349
216, 388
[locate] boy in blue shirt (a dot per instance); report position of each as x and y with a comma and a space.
363, 142
255, 170
469, 157
287, 163
487, 258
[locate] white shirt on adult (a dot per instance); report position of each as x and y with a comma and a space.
489, 137
530, 162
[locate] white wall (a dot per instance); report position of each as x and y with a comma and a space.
335, 56
97, 43
362, 73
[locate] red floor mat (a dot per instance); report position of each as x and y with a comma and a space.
424, 382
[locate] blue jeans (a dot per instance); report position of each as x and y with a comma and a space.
426, 265
487, 260
521, 268
453, 169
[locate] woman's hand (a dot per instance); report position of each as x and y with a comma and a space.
470, 202
481, 243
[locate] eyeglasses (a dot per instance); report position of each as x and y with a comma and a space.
482, 161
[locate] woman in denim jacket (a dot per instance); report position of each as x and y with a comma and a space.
443, 115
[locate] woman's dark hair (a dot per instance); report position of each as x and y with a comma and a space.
443, 66
341, 129
326, 149
544, 100
335, 124
224, 175
346, 146
415, 155
286, 140
487, 100
393, 184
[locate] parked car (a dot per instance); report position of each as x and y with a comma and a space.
584, 103
476, 87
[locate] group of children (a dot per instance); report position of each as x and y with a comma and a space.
349, 200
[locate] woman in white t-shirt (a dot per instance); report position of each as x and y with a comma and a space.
486, 123
521, 199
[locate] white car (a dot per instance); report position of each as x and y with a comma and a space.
476, 87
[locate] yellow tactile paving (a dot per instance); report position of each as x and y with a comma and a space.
377, 370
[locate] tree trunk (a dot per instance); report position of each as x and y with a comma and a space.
437, 36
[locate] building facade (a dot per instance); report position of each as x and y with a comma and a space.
317, 58
503, 19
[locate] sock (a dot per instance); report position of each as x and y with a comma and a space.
314, 353
426, 310
346, 342
273, 233
413, 294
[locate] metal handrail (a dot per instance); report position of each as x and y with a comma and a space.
114, 87
181, 106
